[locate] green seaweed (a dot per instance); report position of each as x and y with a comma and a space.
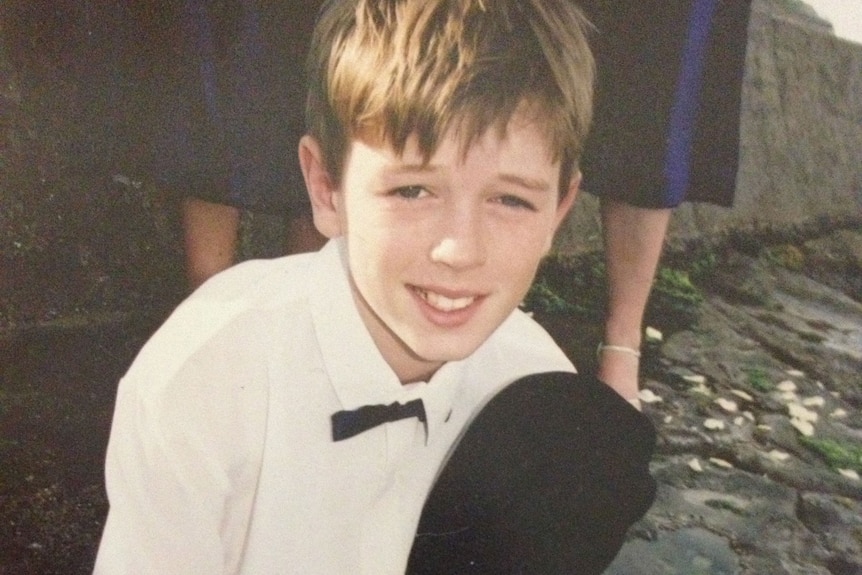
758, 379
838, 454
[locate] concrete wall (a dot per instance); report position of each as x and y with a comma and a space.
801, 138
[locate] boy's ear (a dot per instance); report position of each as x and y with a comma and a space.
568, 200
322, 191
564, 206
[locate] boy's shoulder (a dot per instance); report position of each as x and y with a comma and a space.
523, 333
257, 281
229, 314
520, 347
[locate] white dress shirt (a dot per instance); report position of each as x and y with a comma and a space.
221, 458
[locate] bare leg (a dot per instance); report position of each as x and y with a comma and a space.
634, 238
210, 236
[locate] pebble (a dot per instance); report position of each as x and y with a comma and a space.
786, 385
727, 405
777, 455
815, 401
701, 389
652, 334
838, 413
804, 427
799, 411
695, 465
647, 396
700, 379
720, 463
795, 373
713, 424
849, 474
741, 394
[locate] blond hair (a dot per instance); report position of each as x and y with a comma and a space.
388, 69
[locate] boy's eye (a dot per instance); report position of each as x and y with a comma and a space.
516, 202
409, 192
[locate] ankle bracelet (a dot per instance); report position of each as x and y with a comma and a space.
620, 348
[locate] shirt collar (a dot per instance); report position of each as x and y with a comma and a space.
359, 374
437, 394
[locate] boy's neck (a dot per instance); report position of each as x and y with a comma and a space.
407, 367
418, 377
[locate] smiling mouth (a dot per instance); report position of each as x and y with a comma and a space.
443, 303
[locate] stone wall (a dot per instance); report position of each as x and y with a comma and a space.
801, 137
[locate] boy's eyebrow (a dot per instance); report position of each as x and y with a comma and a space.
525, 182
412, 168
534, 184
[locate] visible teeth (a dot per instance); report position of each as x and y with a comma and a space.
444, 303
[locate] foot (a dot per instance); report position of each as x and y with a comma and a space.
619, 370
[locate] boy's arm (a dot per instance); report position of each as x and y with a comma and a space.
180, 479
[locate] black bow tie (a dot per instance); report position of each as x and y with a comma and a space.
346, 424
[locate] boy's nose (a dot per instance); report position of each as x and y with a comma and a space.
462, 244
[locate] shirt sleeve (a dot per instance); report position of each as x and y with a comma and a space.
181, 470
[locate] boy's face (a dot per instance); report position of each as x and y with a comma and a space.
440, 254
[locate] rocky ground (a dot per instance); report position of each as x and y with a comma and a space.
760, 431
754, 382
754, 385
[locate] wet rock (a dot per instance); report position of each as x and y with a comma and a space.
744, 488
838, 523
833, 260
684, 551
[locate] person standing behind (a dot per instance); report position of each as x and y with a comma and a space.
666, 130
231, 108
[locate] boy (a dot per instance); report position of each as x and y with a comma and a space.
293, 414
